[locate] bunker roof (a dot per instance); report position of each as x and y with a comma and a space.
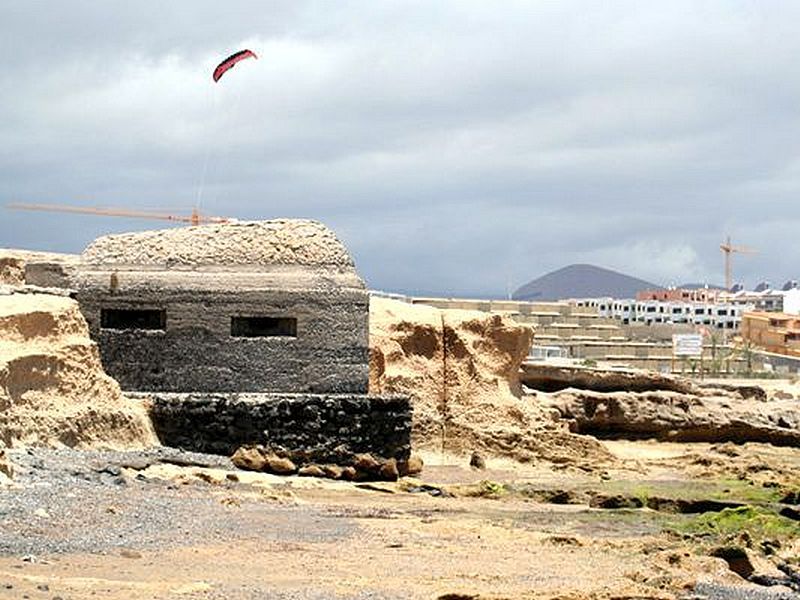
286, 242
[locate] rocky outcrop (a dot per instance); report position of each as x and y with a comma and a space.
461, 369
340, 465
12, 270
53, 390
549, 378
671, 416
43, 269
746, 392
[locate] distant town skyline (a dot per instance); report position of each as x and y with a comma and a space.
457, 148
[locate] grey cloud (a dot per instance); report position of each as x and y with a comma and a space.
453, 145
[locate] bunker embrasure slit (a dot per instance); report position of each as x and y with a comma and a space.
124, 318
263, 327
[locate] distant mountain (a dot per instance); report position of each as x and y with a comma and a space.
582, 281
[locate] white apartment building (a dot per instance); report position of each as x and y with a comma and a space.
766, 300
710, 314
723, 313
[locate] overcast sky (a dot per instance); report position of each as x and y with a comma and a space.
455, 147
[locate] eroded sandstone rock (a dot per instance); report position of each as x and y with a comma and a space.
411, 466
461, 368
53, 390
672, 416
311, 471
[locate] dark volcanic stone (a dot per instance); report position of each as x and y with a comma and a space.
348, 424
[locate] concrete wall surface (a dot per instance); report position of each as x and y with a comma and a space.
196, 351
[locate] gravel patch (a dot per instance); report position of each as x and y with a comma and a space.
714, 591
95, 502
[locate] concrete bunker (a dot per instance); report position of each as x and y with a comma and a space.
241, 333
272, 306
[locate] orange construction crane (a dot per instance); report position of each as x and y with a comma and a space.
728, 250
195, 218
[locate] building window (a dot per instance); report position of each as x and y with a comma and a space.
263, 327
123, 318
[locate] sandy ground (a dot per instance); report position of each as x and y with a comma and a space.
107, 525
403, 550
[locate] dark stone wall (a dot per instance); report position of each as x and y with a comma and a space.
316, 424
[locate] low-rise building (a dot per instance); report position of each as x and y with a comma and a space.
766, 299
774, 332
648, 312
763, 297
676, 294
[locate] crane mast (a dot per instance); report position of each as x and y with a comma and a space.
728, 250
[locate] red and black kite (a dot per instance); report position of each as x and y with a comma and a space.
229, 62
